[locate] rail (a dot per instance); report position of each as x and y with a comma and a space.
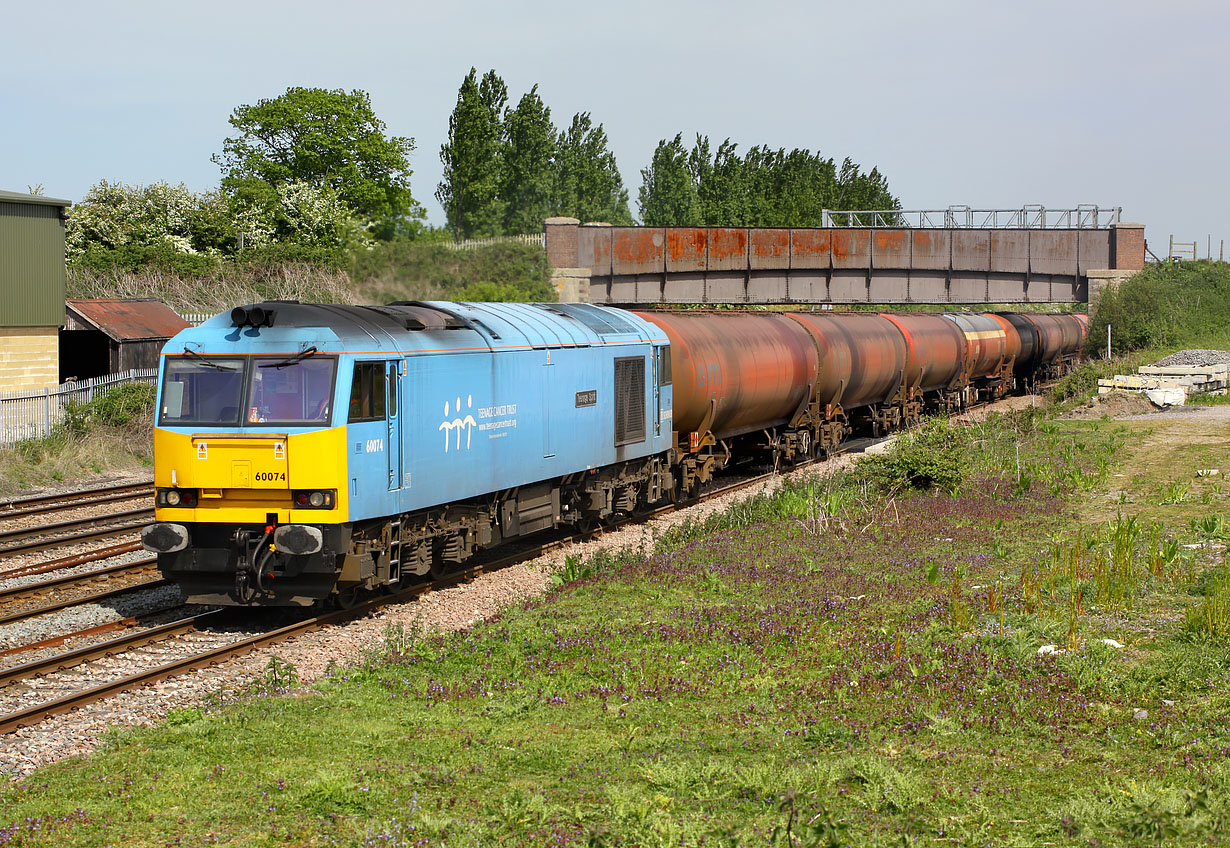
1027, 217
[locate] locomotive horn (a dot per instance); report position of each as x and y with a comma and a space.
256, 316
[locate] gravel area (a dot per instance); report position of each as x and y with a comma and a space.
74, 619
1221, 412
1196, 358
31, 560
452, 609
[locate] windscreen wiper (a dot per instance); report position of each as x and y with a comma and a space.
298, 357
208, 363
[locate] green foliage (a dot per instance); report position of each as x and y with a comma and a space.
160, 221
484, 292
181, 716
132, 258
505, 173
936, 455
575, 568
470, 188
588, 185
403, 270
1211, 617
527, 177
170, 229
668, 192
1166, 305
330, 141
765, 188
1082, 383
118, 406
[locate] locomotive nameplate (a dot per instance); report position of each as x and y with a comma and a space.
587, 398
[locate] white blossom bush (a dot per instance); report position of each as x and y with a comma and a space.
114, 214
316, 215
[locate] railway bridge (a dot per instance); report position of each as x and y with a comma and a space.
956, 255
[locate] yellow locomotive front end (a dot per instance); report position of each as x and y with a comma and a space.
250, 476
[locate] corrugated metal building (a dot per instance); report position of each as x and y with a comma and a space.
32, 279
106, 336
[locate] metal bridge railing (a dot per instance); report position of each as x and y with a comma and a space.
1027, 217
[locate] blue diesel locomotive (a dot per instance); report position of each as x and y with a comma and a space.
307, 451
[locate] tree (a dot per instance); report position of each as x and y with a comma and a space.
588, 185
668, 194
470, 190
528, 174
856, 190
331, 140
721, 184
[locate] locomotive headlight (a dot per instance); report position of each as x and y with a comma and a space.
182, 498
314, 498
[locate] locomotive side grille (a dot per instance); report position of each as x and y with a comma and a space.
629, 400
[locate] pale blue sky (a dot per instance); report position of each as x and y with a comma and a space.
980, 103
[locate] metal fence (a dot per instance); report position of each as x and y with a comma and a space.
538, 239
33, 415
1027, 217
195, 318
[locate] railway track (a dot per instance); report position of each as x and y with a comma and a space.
43, 504
70, 561
28, 540
24, 599
194, 628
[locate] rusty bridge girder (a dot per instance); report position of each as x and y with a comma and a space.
838, 265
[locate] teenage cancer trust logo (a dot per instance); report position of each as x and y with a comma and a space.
457, 423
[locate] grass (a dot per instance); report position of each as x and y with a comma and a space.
219, 291
109, 435
827, 665
389, 271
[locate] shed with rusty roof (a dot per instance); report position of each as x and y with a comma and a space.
110, 335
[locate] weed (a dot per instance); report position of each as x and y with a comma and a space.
180, 716
1174, 492
1209, 527
936, 455
575, 568
278, 676
1211, 616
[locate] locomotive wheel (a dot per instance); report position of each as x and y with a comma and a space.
348, 597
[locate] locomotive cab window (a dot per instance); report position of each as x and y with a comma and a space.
201, 390
664, 370
288, 391
367, 392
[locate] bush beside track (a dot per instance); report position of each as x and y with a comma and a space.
109, 435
